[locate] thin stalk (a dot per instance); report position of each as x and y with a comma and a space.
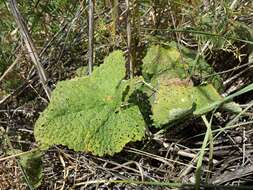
135, 21
29, 45
115, 16
211, 146
90, 35
202, 152
128, 28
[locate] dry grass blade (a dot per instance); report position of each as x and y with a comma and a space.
29, 45
91, 35
10, 67
17, 155
230, 176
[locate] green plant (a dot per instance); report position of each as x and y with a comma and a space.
96, 113
175, 95
31, 164
87, 113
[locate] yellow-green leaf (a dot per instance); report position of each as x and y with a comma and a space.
174, 95
86, 113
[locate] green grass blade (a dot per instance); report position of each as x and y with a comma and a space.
202, 152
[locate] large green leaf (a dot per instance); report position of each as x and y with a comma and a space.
174, 96
86, 113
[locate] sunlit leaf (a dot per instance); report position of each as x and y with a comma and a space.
174, 95
86, 113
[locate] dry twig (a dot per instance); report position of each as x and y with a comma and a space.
29, 45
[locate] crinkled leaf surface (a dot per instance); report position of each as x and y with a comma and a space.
168, 61
175, 96
85, 113
173, 101
159, 60
177, 99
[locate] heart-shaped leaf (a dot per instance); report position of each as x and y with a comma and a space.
86, 113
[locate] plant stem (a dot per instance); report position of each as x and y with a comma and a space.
91, 35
